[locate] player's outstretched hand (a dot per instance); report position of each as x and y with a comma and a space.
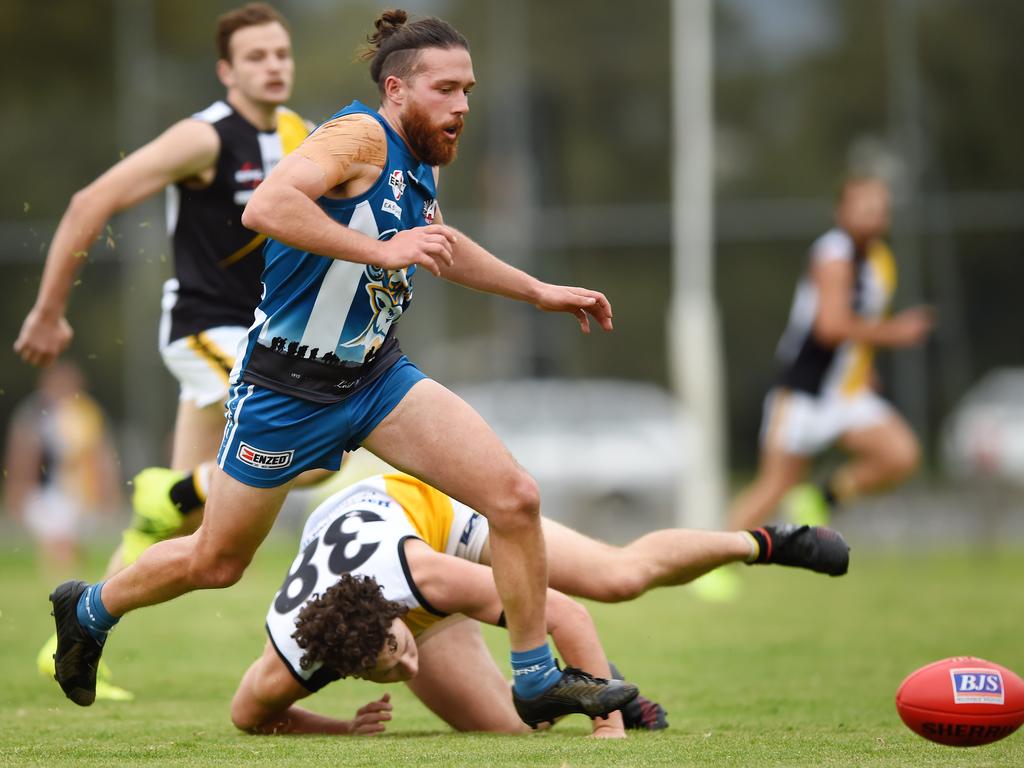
912, 326
43, 337
370, 718
608, 729
581, 302
429, 247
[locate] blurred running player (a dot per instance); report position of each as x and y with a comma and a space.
210, 164
60, 469
383, 562
353, 213
825, 392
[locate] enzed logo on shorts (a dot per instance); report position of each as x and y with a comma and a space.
976, 685
254, 457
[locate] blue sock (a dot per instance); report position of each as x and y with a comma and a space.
93, 615
534, 671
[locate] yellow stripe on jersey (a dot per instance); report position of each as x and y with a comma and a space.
429, 510
218, 359
858, 374
291, 128
882, 266
242, 252
419, 620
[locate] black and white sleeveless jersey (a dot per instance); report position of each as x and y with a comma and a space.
362, 530
217, 261
807, 364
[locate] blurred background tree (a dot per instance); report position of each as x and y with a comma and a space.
564, 169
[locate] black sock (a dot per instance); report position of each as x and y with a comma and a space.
764, 544
829, 494
185, 496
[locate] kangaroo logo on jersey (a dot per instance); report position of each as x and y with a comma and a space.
429, 210
977, 685
254, 457
387, 308
397, 184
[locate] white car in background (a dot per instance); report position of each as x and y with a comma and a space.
984, 435
608, 455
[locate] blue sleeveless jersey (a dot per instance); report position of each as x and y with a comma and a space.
325, 327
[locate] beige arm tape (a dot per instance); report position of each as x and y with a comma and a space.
346, 141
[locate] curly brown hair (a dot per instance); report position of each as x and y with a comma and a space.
346, 627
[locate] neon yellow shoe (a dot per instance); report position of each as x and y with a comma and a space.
806, 505
110, 692
44, 659
104, 688
721, 585
153, 511
134, 543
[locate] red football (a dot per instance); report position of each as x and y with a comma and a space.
962, 701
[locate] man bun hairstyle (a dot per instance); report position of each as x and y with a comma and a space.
347, 626
394, 48
248, 15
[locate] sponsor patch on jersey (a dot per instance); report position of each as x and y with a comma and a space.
977, 685
397, 183
468, 530
429, 210
390, 206
254, 457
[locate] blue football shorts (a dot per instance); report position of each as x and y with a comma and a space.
271, 438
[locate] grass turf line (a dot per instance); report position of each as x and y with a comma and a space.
800, 671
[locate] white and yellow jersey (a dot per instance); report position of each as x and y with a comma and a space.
808, 365
362, 530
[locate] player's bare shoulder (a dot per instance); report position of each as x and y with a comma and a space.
192, 147
351, 150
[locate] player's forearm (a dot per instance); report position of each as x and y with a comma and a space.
297, 721
854, 329
78, 229
576, 639
291, 217
575, 635
475, 267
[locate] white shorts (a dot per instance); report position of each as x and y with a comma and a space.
801, 424
52, 515
202, 362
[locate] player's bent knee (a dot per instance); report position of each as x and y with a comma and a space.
516, 504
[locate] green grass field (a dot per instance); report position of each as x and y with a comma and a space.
800, 671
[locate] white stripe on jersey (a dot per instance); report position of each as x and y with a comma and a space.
172, 205
338, 289
216, 111
270, 150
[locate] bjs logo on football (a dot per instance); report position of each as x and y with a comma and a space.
977, 686
264, 459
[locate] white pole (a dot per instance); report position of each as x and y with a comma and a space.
694, 338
